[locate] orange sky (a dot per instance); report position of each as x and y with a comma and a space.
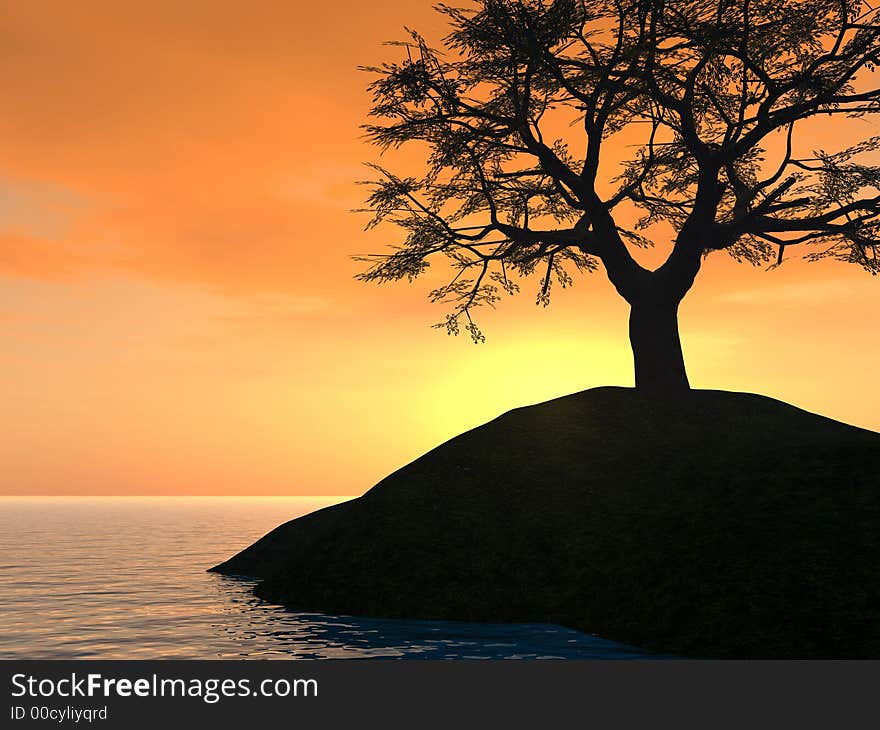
177, 308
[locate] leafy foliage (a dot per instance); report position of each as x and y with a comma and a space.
718, 90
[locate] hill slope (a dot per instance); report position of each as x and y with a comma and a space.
718, 524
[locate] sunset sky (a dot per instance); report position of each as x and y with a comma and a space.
177, 305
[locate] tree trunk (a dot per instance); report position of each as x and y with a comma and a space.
653, 334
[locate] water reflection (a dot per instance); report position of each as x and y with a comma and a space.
264, 631
124, 579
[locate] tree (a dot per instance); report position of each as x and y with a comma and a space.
718, 93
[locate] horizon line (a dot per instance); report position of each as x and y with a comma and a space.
180, 496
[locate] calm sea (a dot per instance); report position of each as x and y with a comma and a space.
124, 578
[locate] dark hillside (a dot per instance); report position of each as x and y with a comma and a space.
712, 524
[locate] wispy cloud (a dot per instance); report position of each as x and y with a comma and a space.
212, 147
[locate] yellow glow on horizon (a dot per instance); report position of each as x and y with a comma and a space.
177, 305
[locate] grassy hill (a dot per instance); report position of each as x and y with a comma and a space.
714, 525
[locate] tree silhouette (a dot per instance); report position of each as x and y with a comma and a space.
717, 95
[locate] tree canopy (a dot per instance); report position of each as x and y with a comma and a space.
710, 103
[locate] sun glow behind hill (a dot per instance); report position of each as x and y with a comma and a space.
177, 308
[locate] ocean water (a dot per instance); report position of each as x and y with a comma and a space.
124, 578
